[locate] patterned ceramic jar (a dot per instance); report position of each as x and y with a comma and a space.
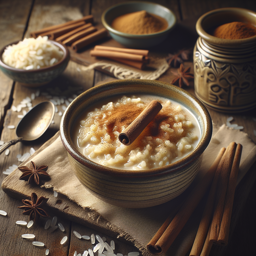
225, 69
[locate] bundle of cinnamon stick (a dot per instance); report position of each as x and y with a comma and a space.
132, 57
77, 33
221, 181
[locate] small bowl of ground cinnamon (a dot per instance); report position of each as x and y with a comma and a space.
138, 24
225, 60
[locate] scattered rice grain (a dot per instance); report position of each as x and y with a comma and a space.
3, 213
112, 244
75, 253
7, 152
85, 237
32, 151
54, 221
30, 224
21, 223
55, 193
47, 224
85, 253
38, 244
77, 234
28, 236
60, 113
47, 252
90, 252
61, 227
92, 239
10, 126
64, 240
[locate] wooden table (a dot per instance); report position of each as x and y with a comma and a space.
17, 19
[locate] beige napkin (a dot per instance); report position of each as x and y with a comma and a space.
137, 225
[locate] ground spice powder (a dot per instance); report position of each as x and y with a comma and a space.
139, 23
235, 30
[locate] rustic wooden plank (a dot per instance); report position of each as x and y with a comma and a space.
72, 81
13, 18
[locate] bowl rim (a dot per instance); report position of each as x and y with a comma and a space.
210, 38
134, 36
65, 57
189, 158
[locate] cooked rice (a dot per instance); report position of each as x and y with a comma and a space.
32, 54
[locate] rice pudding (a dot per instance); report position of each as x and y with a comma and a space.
173, 133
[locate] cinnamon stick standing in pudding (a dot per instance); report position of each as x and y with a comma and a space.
71, 33
207, 214
89, 39
226, 218
87, 19
79, 35
190, 203
139, 124
221, 191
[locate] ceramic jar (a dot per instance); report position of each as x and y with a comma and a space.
225, 69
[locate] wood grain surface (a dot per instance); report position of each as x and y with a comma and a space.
18, 19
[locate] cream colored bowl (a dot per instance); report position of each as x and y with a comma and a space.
133, 188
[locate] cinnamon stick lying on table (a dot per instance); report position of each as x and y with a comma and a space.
190, 203
117, 49
71, 33
119, 55
139, 124
53, 34
89, 39
221, 191
79, 35
87, 19
207, 213
226, 217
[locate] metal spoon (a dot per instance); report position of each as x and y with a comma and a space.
33, 124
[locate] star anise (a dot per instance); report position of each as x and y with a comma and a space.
34, 175
176, 59
33, 207
182, 76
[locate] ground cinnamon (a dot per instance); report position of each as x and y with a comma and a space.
139, 23
235, 30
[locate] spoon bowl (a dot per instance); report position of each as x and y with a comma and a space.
33, 125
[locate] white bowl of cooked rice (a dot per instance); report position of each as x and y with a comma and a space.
34, 62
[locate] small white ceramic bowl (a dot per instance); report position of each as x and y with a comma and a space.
36, 77
138, 41
135, 188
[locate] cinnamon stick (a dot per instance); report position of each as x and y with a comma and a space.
87, 19
61, 31
192, 200
207, 246
207, 214
139, 124
221, 191
79, 35
89, 39
72, 32
117, 49
119, 55
226, 218
135, 64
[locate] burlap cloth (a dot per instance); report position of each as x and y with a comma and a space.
137, 225
153, 71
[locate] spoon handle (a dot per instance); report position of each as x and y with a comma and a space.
8, 144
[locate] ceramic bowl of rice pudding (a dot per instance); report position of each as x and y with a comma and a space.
34, 62
158, 165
